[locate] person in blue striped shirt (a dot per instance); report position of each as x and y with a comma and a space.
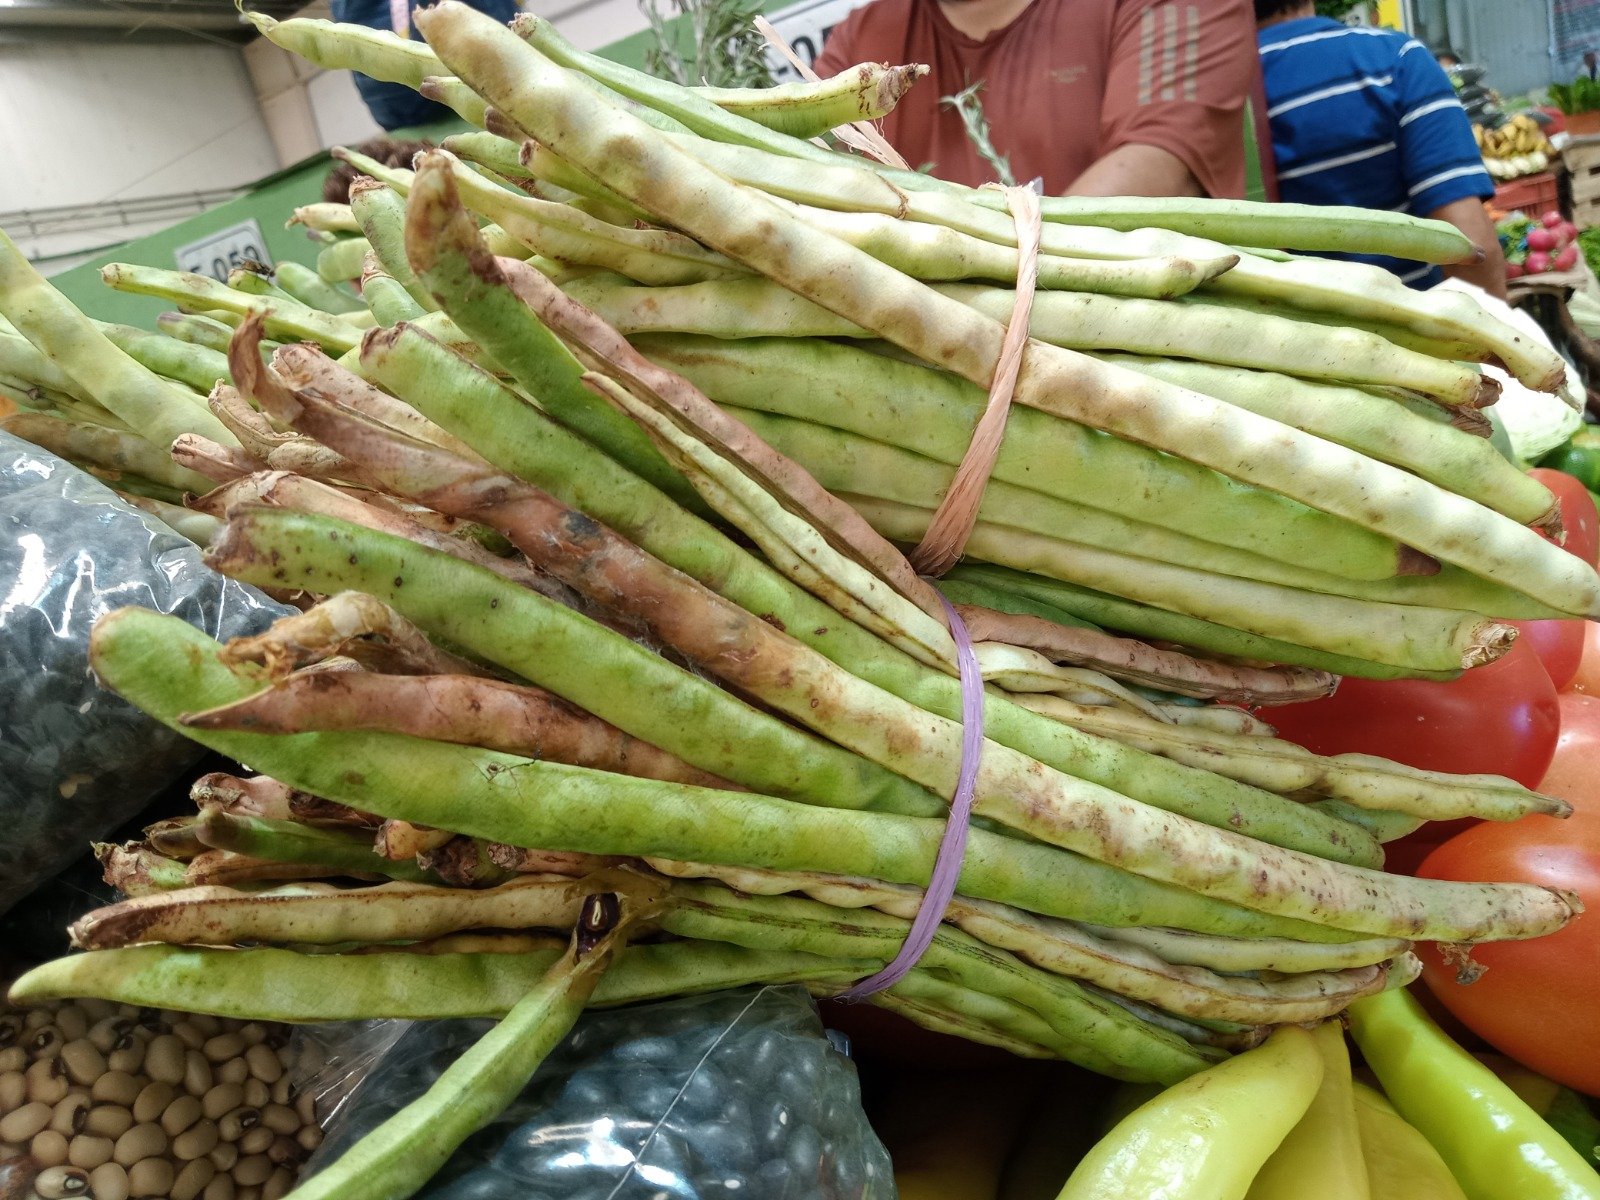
1367, 117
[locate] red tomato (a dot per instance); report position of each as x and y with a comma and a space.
1558, 645
1501, 719
1588, 677
1574, 773
1577, 512
1535, 998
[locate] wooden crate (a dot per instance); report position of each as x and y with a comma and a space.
1581, 160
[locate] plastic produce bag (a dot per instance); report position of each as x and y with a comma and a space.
732, 1096
76, 761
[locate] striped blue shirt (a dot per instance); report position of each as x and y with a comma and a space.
1367, 117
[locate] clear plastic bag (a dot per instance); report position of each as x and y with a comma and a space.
733, 1096
76, 761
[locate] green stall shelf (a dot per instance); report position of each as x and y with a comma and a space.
267, 204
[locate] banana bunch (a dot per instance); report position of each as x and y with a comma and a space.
1517, 148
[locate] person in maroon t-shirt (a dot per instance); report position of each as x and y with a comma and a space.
1099, 97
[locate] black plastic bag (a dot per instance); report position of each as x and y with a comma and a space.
732, 1096
76, 761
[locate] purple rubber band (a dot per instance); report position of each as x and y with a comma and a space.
953, 845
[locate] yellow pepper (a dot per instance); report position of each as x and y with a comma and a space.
1495, 1145
1401, 1164
1205, 1138
1321, 1157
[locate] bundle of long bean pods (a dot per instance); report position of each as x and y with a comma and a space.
598, 597
1255, 454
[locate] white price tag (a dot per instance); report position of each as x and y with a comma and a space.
805, 27
218, 253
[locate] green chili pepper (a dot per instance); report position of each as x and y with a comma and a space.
1494, 1144
1568, 1113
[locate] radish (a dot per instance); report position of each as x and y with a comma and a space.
1542, 240
1567, 232
1537, 263
1514, 270
1551, 219
1568, 258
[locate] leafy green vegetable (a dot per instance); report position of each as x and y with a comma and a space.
1580, 96
712, 42
1589, 243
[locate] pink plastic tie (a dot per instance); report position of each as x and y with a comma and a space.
953, 845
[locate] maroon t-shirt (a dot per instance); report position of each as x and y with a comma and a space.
1067, 82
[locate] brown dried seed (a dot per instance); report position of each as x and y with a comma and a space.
224, 1155
163, 1059
58, 1183
98, 1010
192, 1179
256, 1093
108, 1120
70, 1113
109, 1181
153, 1100
252, 1171
11, 1028
197, 1076
48, 1148
309, 1138
206, 1023
106, 1033
180, 1114
284, 1151
253, 1032
278, 1184
72, 1021
247, 1193
37, 1018
189, 1034
195, 1142
234, 1124
21, 1124
47, 1082
305, 1107
83, 1063
141, 1142
128, 1054
13, 1058
256, 1141
223, 1047
220, 1188
115, 1087
283, 1090
150, 1177
90, 1151
235, 1070
13, 1091
280, 1118
44, 1042
222, 1098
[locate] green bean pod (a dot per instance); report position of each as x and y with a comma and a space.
283, 985
626, 155
453, 787
434, 784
